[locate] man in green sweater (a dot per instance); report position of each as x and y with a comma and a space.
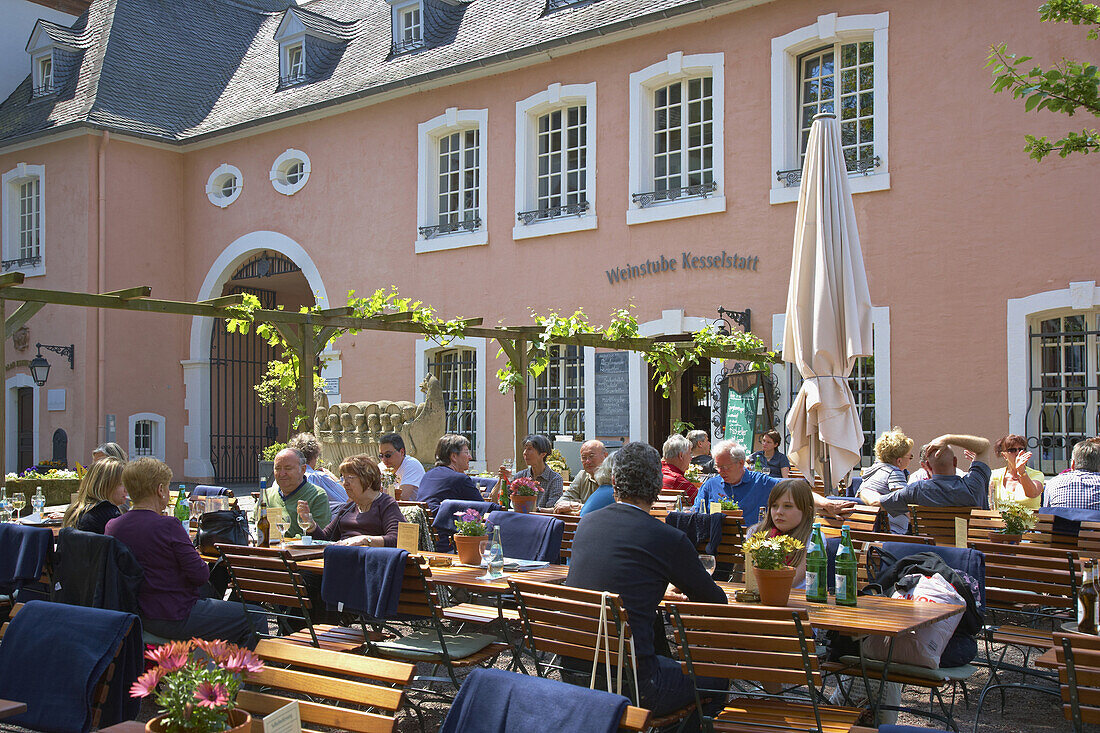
290, 488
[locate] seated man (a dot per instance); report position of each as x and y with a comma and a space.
943, 487
700, 450
291, 487
1079, 487
750, 489
407, 471
623, 549
677, 459
593, 454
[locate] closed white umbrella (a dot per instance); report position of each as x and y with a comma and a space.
828, 322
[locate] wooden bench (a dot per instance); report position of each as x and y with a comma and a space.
1079, 677
334, 690
937, 522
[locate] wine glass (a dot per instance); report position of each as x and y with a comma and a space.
18, 501
282, 523
485, 547
708, 563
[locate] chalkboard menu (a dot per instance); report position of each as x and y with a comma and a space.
612, 394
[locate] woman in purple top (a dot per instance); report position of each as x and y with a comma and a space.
448, 480
173, 598
369, 518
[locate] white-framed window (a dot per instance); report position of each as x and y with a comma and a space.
408, 25
451, 210
869, 382
45, 75
24, 218
460, 367
224, 185
146, 430
677, 152
556, 161
294, 66
290, 172
555, 399
837, 65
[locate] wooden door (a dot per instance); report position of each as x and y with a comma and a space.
25, 421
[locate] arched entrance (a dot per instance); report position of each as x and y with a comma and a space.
227, 427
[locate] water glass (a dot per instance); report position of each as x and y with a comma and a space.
708, 563
485, 547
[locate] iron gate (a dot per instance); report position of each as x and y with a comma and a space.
1062, 390
240, 427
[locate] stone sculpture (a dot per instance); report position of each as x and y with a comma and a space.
348, 428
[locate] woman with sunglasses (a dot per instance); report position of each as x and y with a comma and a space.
1017, 481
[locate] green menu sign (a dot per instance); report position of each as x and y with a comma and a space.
741, 415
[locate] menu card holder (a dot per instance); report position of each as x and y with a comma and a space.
408, 536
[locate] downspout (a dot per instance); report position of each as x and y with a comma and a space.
101, 273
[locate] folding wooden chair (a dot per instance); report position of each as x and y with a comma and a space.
756, 644
566, 621
1079, 677
864, 519
340, 691
571, 521
269, 577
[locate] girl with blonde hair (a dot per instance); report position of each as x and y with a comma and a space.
99, 499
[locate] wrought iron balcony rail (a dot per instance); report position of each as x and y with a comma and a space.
400, 47
552, 212
863, 166
291, 80
34, 261
42, 91
699, 190
469, 225
552, 5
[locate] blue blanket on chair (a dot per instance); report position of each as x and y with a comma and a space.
699, 527
495, 701
52, 657
23, 554
529, 536
366, 579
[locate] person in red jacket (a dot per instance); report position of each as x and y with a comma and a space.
677, 458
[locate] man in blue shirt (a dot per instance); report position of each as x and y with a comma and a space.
748, 488
944, 487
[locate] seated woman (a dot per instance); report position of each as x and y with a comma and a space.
790, 512
98, 500
535, 450
369, 517
605, 494
1017, 481
893, 453
174, 597
448, 480
775, 463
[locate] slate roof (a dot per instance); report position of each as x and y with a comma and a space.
181, 70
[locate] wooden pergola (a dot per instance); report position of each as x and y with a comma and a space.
309, 333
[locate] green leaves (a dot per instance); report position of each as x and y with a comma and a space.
1068, 87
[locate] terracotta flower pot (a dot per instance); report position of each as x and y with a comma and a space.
524, 504
774, 586
468, 548
239, 722
1011, 539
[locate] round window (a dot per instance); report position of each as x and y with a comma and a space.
290, 171
224, 185
228, 185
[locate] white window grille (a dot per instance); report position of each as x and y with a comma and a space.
295, 64
862, 383
45, 71
562, 157
410, 25
143, 438
1065, 367
555, 399
30, 219
840, 79
459, 179
683, 134
456, 370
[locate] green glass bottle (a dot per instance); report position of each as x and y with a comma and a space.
846, 563
817, 567
182, 511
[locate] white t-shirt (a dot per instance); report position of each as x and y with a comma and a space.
409, 472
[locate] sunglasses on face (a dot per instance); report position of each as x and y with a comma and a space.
388, 454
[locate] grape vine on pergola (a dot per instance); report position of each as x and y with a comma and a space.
308, 333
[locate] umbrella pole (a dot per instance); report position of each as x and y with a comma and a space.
827, 470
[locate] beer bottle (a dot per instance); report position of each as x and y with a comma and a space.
1096, 591
846, 563
263, 524
817, 567
1086, 600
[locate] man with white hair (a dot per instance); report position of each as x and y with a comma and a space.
750, 489
593, 454
677, 458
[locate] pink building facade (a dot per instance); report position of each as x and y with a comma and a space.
491, 158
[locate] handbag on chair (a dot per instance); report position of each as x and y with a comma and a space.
229, 527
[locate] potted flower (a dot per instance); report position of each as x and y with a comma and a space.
694, 474
196, 684
525, 494
1018, 519
469, 534
731, 507
58, 484
556, 462
769, 560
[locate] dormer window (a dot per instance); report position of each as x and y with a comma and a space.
45, 76
295, 67
408, 25
54, 52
